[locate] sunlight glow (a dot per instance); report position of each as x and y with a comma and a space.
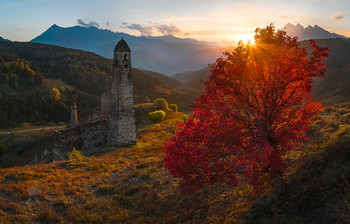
246, 38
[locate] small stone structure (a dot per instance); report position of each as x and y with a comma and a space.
73, 115
117, 126
85, 137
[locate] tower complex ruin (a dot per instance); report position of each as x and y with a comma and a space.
122, 128
117, 123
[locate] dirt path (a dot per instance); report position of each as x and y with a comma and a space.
54, 128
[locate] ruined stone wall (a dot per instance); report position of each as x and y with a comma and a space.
85, 137
105, 99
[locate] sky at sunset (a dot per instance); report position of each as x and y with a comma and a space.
219, 20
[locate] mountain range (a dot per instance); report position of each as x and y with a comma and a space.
189, 59
2, 39
163, 54
310, 32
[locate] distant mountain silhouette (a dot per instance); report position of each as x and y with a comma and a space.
2, 39
164, 54
310, 32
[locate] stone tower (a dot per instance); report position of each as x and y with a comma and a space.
73, 115
122, 128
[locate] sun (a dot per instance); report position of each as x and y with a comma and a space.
246, 38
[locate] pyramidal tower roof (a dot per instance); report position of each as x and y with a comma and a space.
122, 46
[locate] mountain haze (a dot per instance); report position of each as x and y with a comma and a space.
310, 32
192, 79
163, 54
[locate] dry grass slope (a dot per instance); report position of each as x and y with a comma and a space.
124, 185
130, 185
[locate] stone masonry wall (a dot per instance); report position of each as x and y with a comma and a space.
84, 137
122, 128
105, 99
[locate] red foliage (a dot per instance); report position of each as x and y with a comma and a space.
256, 105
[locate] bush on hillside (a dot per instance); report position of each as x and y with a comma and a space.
173, 107
19, 150
184, 117
160, 104
156, 116
75, 156
3, 149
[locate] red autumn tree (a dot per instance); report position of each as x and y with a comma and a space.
255, 106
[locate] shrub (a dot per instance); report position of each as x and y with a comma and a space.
19, 150
61, 89
3, 148
346, 116
156, 116
173, 107
25, 124
343, 130
184, 117
160, 104
55, 95
76, 156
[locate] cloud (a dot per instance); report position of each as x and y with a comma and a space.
143, 29
168, 29
339, 16
282, 16
150, 28
87, 25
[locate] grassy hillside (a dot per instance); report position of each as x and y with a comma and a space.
34, 104
29, 71
318, 191
27, 147
339, 50
192, 79
84, 70
130, 185
334, 87
123, 185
